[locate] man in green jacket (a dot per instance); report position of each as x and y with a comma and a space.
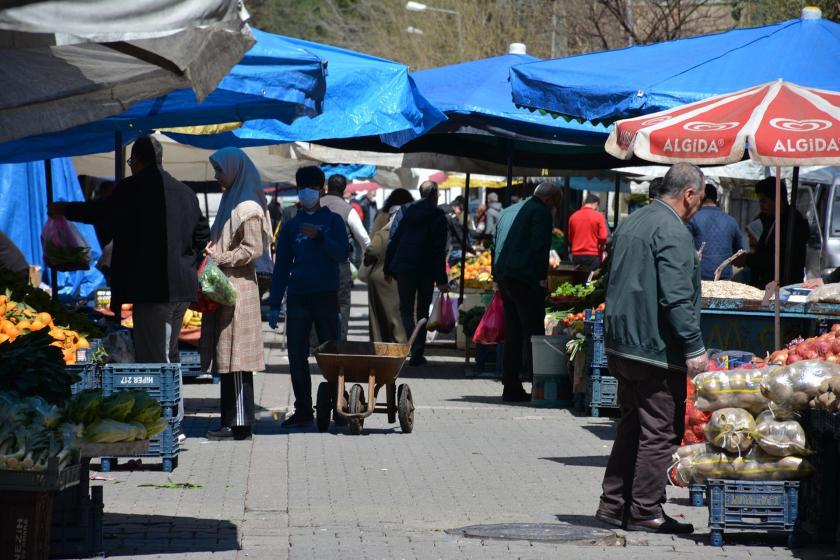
652, 340
520, 267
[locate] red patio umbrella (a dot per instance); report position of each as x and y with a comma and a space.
777, 123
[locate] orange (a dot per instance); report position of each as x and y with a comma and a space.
83, 343
36, 325
3, 338
23, 325
44, 318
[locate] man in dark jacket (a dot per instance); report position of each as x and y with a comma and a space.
653, 339
159, 235
520, 267
416, 257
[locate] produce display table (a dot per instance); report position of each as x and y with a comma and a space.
734, 324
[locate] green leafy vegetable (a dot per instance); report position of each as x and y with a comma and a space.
215, 285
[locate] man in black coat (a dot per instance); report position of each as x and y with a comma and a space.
416, 257
159, 236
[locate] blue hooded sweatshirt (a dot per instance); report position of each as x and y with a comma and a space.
309, 266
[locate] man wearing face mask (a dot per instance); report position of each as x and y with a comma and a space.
653, 339
310, 248
159, 235
520, 267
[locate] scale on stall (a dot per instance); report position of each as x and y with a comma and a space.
794, 294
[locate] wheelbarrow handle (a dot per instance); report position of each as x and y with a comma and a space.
417, 328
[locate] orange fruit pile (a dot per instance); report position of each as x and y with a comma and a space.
18, 319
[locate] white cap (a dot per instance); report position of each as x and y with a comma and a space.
811, 12
517, 48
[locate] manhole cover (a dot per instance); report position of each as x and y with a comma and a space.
546, 532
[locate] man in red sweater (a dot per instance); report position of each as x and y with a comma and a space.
588, 234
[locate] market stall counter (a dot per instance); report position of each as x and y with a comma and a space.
739, 324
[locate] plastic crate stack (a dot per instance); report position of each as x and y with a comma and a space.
161, 381
753, 506
89, 372
76, 529
601, 389
191, 366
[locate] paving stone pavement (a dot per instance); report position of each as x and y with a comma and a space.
387, 495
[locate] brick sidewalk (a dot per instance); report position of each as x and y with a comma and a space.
387, 495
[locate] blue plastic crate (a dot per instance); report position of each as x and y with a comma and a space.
85, 355
91, 377
602, 392
164, 445
753, 505
190, 363
161, 381
697, 494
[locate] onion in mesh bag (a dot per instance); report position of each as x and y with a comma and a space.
780, 438
731, 429
735, 388
790, 388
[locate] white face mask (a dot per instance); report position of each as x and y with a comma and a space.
309, 198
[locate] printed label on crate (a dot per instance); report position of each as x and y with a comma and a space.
755, 500
137, 380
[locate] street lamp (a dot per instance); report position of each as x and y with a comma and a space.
420, 7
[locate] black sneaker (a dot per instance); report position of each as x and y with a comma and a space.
515, 394
242, 433
297, 420
224, 433
418, 361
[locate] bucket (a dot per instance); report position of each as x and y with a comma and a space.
551, 386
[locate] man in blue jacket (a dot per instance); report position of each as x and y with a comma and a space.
310, 249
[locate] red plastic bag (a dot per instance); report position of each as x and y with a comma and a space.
203, 304
447, 319
64, 247
695, 419
491, 328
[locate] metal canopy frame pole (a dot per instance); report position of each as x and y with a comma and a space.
615, 200
466, 214
48, 179
791, 223
119, 157
509, 189
777, 234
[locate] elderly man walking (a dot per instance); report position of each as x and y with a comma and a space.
653, 339
520, 266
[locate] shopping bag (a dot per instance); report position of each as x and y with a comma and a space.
434, 313
491, 328
203, 304
448, 314
215, 285
64, 247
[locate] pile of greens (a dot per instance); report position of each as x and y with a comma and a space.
125, 416
32, 432
567, 289
31, 366
62, 257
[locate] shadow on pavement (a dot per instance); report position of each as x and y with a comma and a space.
140, 535
484, 399
581, 461
602, 431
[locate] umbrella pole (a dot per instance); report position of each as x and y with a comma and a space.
616, 199
777, 320
464, 240
49, 183
791, 221
119, 159
509, 189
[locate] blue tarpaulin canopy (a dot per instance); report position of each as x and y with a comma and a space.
645, 79
350, 170
476, 97
366, 96
277, 78
23, 214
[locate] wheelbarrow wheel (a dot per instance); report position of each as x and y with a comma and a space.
323, 406
355, 425
405, 408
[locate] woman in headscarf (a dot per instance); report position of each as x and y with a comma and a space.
231, 337
383, 299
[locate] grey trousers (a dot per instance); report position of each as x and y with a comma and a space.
156, 329
345, 289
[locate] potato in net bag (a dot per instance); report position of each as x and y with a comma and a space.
755, 465
780, 438
791, 387
732, 430
734, 388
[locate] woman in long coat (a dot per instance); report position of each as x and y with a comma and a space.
383, 299
231, 337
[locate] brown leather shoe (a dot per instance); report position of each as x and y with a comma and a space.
663, 525
609, 519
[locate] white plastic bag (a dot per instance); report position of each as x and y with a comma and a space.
64, 247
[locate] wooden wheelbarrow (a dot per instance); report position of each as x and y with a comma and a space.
376, 363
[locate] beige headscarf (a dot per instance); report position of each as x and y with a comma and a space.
243, 200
